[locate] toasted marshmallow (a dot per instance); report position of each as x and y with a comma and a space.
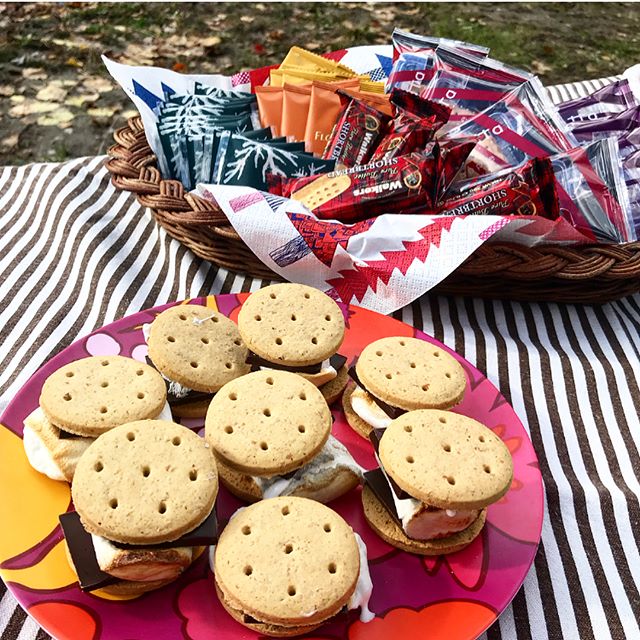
332, 458
422, 522
367, 408
141, 565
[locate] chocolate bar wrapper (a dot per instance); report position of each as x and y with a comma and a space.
407, 134
527, 190
356, 134
241, 161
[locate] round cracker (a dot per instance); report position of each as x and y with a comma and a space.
291, 324
360, 426
263, 628
333, 389
145, 482
411, 374
198, 347
92, 395
267, 422
287, 561
387, 528
446, 460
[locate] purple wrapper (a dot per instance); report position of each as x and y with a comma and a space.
617, 125
603, 103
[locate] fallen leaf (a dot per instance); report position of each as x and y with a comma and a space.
211, 42
130, 113
17, 99
180, 67
102, 113
58, 118
32, 107
10, 142
312, 46
540, 67
6, 90
52, 92
79, 100
33, 73
74, 62
97, 83
246, 19
259, 49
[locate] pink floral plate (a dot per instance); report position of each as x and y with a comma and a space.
454, 597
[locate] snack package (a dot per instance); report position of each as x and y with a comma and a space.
414, 126
618, 125
270, 101
523, 125
405, 41
240, 161
297, 58
403, 184
356, 133
296, 100
324, 108
278, 77
592, 193
603, 103
526, 190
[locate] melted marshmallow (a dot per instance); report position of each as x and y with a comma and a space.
106, 554
364, 585
334, 455
365, 406
39, 456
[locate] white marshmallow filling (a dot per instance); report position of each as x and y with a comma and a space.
422, 522
332, 458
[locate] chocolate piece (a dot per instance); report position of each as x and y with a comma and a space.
65, 435
203, 535
377, 482
337, 361
375, 436
80, 545
390, 410
191, 396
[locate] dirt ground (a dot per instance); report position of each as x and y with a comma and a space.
57, 100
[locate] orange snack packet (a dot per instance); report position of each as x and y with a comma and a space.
270, 101
295, 109
324, 108
378, 100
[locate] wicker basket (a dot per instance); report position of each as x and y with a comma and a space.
593, 274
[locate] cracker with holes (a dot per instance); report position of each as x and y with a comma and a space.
284, 566
271, 435
438, 472
84, 399
398, 374
293, 327
144, 494
197, 350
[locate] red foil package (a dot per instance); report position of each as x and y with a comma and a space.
356, 134
526, 190
392, 186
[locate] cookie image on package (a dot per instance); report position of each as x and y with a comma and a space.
144, 494
84, 399
398, 374
197, 351
271, 434
284, 566
293, 327
438, 472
